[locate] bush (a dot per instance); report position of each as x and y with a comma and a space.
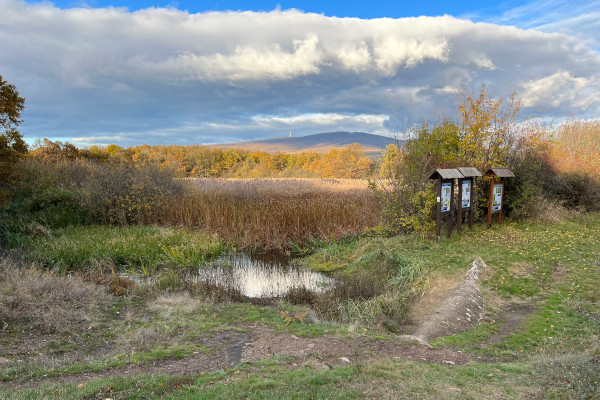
121, 194
538, 186
116, 193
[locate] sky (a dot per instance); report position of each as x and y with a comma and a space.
193, 72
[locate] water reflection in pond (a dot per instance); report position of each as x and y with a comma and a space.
261, 276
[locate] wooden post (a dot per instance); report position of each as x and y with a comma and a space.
438, 213
502, 173
445, 178
451, 208
471, 203
490, 202
459, 208
502, 202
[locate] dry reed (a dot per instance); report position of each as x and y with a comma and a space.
275, 213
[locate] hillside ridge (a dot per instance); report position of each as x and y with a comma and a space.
320, 143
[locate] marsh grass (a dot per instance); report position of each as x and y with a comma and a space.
376, 287
275, 213
104, 249
250, 213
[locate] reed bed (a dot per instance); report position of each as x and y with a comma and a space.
275, 213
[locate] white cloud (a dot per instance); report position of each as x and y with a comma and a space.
354, 56
393, 53
249, 62
561, 89
159, 75
323, 119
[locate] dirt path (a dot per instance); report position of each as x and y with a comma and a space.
229, 349
459, 311
511, 320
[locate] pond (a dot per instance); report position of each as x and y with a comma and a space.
261, 276
258, 276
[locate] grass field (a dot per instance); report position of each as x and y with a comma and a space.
168, 344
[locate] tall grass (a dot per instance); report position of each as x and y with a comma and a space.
375, 286
274, 213
100, 249
577, 145
253, 213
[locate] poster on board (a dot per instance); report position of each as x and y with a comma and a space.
497, 203
466, 194
446, 190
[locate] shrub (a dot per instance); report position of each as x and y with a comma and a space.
116, 193
486, 134
121, 194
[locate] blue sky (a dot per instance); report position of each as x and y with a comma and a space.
130, 73
372, 9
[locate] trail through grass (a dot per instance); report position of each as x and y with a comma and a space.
551, 271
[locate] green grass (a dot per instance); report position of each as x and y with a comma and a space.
139, 248
277, 378
555, 268
552, 268
501, 246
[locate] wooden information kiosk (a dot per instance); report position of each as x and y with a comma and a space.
466, 188
497, 191
445, 197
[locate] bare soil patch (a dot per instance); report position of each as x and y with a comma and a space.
512, 318
340, 350
229, 349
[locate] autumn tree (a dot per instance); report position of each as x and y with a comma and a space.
347, 162
487, 126
12, 146
49, 151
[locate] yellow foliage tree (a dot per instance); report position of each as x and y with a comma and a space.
487, 127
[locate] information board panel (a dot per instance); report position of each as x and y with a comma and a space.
446, 191
497, 203
466, 194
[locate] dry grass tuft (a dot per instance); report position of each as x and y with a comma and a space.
171, 302
551, 211
274, 213
43, 300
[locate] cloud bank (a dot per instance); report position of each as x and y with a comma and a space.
167, 76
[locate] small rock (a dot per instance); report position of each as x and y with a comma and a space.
344, 359
449, 362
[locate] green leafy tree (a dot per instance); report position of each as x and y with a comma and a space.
12, 146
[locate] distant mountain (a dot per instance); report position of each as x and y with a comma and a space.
320, 142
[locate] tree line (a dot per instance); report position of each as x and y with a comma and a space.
195, 161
